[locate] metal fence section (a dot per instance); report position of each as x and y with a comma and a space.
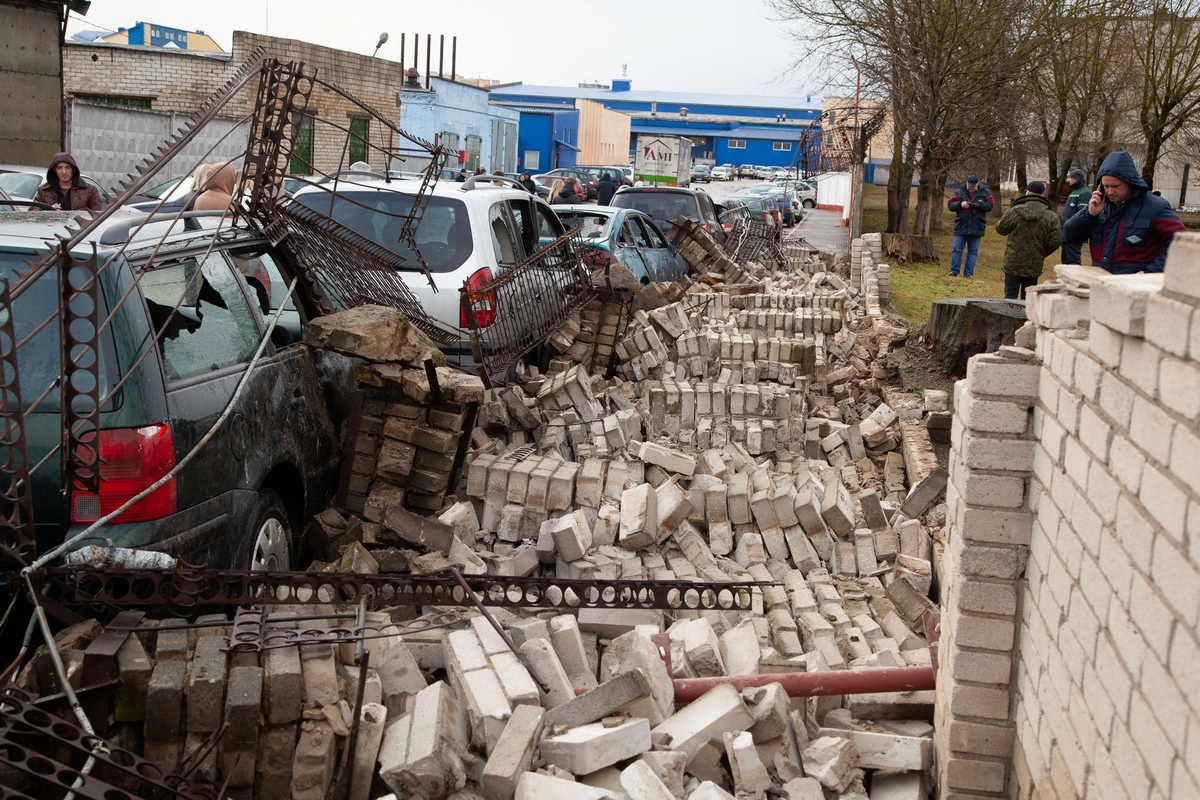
515, 311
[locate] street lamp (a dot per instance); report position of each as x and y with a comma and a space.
383, 37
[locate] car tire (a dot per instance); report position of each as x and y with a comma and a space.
810, 203
267, 539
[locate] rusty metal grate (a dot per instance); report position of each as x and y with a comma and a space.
349, 270
147, 588
515, 311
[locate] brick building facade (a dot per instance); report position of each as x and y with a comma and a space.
180, 81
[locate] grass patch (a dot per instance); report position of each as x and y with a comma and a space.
914, 287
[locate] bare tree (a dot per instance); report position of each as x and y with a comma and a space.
940, 64
1170, 75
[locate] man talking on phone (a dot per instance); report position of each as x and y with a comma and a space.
1127, 228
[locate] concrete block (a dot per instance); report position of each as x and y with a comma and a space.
568, 644
642, 783
513, 754
749, 773
740, 649
639, 517
833, 761
718, 711
314, 760
605, 700
544, 663
590, 747
422, 752
371, 727
571, 534
537, 786
886, 750
633, 651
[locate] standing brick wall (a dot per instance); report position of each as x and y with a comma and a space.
182, 81
1075, 516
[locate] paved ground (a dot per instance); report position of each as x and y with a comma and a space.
821, 229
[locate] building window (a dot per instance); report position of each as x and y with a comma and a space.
474, 143
358, 140
449, 141
737, 144
783, 145
532, 161
302, 144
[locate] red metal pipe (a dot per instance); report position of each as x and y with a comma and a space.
818, 684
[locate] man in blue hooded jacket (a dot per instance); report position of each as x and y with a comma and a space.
1127, 228
970, 205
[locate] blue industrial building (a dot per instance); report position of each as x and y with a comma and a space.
724, 129
548, 136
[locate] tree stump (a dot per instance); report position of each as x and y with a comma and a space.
960, 327
908, 247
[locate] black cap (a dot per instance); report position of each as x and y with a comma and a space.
1036, 187
1076, 175
972, 179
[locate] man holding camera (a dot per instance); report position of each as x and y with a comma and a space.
971, 204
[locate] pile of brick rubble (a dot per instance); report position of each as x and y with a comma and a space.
736, 427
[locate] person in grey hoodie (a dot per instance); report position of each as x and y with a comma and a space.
1126, 226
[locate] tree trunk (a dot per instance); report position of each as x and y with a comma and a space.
899, 186
960, 327
1154, 145
909, 248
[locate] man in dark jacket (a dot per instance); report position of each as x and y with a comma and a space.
1128, 229
971, 204
64, 189
1077, 199
1033, 232
606, 189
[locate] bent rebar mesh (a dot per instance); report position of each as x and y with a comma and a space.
526, 304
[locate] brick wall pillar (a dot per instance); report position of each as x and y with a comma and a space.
989, 526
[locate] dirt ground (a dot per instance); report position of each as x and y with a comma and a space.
918, 368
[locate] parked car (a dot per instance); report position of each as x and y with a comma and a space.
752, 208
782, 198
701, 173
615, 173
589, 182
763, 173
242, 501
767, 209
721, 174
542, 191
746, 171
665, 204
21, 181
626, 236
805, 190
470, 233
626, 174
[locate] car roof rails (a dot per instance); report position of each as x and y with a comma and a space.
118, 232
475, 180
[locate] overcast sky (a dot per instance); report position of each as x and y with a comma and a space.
719, 46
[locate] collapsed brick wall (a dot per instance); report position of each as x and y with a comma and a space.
1070, 650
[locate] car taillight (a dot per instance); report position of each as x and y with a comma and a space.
131, 459
483, 303
597, 257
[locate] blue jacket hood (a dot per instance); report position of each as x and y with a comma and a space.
1120, 165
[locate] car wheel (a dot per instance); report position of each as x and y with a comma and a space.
810, 203
267, 540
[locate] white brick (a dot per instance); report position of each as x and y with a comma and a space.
993, 416
1120, 301
1164, 501
1139, 365
1126, 461
1087, 375
997, 454
1105, 344
1094, 432
1179, 386
1181, 274
1167, 322
1185, 458
1152, 428
993, 375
